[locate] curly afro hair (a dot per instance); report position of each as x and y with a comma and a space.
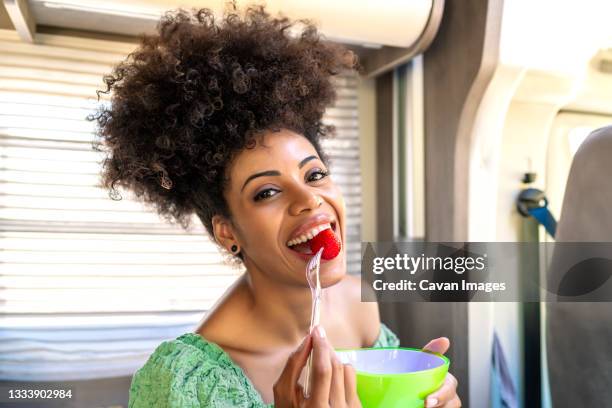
198, 91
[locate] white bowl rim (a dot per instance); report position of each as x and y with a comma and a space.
445, 360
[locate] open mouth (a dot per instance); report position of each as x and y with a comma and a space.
301, 244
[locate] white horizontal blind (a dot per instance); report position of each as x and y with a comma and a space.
90, 286
343, 151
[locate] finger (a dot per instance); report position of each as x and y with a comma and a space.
321, 368
454, 403
447, 392
296, 361
350, 386
439, 345
298, 397
286, 390
336, 391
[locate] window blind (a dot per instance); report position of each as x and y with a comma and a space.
90, 286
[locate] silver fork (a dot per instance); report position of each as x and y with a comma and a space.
314, 281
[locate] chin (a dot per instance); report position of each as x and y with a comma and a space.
332, 271
332, 280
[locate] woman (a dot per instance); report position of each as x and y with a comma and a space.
224, 120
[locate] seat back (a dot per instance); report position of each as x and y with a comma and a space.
579, 334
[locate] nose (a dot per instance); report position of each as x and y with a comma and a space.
304, 200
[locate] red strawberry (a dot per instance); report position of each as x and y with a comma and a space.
329, 241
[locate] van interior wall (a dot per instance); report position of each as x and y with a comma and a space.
539, 75
366, 100
509, 138
523, 148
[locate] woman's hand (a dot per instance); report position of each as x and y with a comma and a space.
446, 396
333, 383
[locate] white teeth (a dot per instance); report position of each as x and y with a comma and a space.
308, 235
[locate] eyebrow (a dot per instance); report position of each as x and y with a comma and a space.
275, 172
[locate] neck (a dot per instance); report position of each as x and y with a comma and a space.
283, 309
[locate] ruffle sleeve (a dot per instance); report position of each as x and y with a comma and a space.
386, 338
190, 373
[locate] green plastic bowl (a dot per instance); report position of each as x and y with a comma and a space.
390, 377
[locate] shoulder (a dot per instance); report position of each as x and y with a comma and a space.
189, 372
364, 315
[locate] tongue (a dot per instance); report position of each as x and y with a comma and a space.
326, 239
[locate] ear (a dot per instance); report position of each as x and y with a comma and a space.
224, 231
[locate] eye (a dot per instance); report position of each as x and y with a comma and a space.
317, 175
264, 194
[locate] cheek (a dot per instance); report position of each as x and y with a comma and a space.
261, 227
342, 205
338, 198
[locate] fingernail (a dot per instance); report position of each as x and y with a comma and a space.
320, 331
432, 402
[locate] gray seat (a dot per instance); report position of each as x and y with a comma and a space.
579, 334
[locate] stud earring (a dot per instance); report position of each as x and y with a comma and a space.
234, 249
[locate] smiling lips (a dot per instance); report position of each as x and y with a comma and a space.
312, 240
308, 235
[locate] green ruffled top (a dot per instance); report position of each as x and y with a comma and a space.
192, 372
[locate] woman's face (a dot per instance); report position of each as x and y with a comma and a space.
279, 191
